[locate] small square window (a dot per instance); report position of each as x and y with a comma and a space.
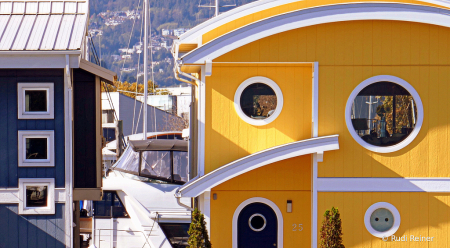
36, 148
35, 100
37, 196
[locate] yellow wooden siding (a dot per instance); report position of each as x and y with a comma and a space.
425, 214
281, 181
289, 174
228, 137
348, 53
240, 22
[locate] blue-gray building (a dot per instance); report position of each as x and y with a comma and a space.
50, 122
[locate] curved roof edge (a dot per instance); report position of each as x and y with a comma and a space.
256, 160
251, 8
314, 16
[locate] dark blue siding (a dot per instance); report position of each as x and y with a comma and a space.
31, 230
9, 125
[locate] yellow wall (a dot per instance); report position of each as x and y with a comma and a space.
235, 24
348, 53
285, 180
425, 214
228, 137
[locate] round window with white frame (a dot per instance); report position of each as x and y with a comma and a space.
258, 101
382, 219
257, 222
384, 114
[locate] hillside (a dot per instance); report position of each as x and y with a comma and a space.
116, 24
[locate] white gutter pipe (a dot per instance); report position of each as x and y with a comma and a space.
178, 196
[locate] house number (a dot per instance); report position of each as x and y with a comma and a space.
297, 227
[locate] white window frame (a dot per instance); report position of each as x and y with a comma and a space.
237, 100
394, 212
407, 140
49, 88
49, 162
49, 182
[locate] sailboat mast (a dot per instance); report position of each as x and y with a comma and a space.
144, 126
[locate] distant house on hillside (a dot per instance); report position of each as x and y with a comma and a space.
130, 112
165, 32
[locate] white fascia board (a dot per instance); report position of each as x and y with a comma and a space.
198, 31
36, 61
256, 160
383, 184
314, 16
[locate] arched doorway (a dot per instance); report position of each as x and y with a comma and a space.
257, 226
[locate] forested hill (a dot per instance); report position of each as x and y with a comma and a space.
172, 13
113, 27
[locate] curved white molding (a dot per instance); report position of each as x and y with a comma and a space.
394, 212
314, 16
268, 203
411, 136
238, 167
271, 84
250, 222
247, 9
381, 184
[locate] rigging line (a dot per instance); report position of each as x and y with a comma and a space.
151, 60
157, 220
137, 74
93, 50
128, 47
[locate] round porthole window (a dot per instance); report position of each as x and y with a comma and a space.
257, 222
258, 101
382, 219
384, 114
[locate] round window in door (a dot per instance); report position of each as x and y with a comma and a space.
257, 226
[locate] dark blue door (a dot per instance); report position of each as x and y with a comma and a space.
257, 226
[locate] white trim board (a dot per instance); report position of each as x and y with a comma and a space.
238, 167
314, 16
267, 202
198, 31
326, 184
11, 195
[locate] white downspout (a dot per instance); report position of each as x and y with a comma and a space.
68, 137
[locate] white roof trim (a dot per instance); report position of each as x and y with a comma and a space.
399, 184
193, 34
98, 70
315, 16
256, 160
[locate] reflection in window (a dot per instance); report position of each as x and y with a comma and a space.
36, 148
384, 114
109, 206
35, 100
36, 196
156, 163
130, 162
258, 101
180, 166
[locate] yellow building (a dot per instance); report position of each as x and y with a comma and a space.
306, 105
